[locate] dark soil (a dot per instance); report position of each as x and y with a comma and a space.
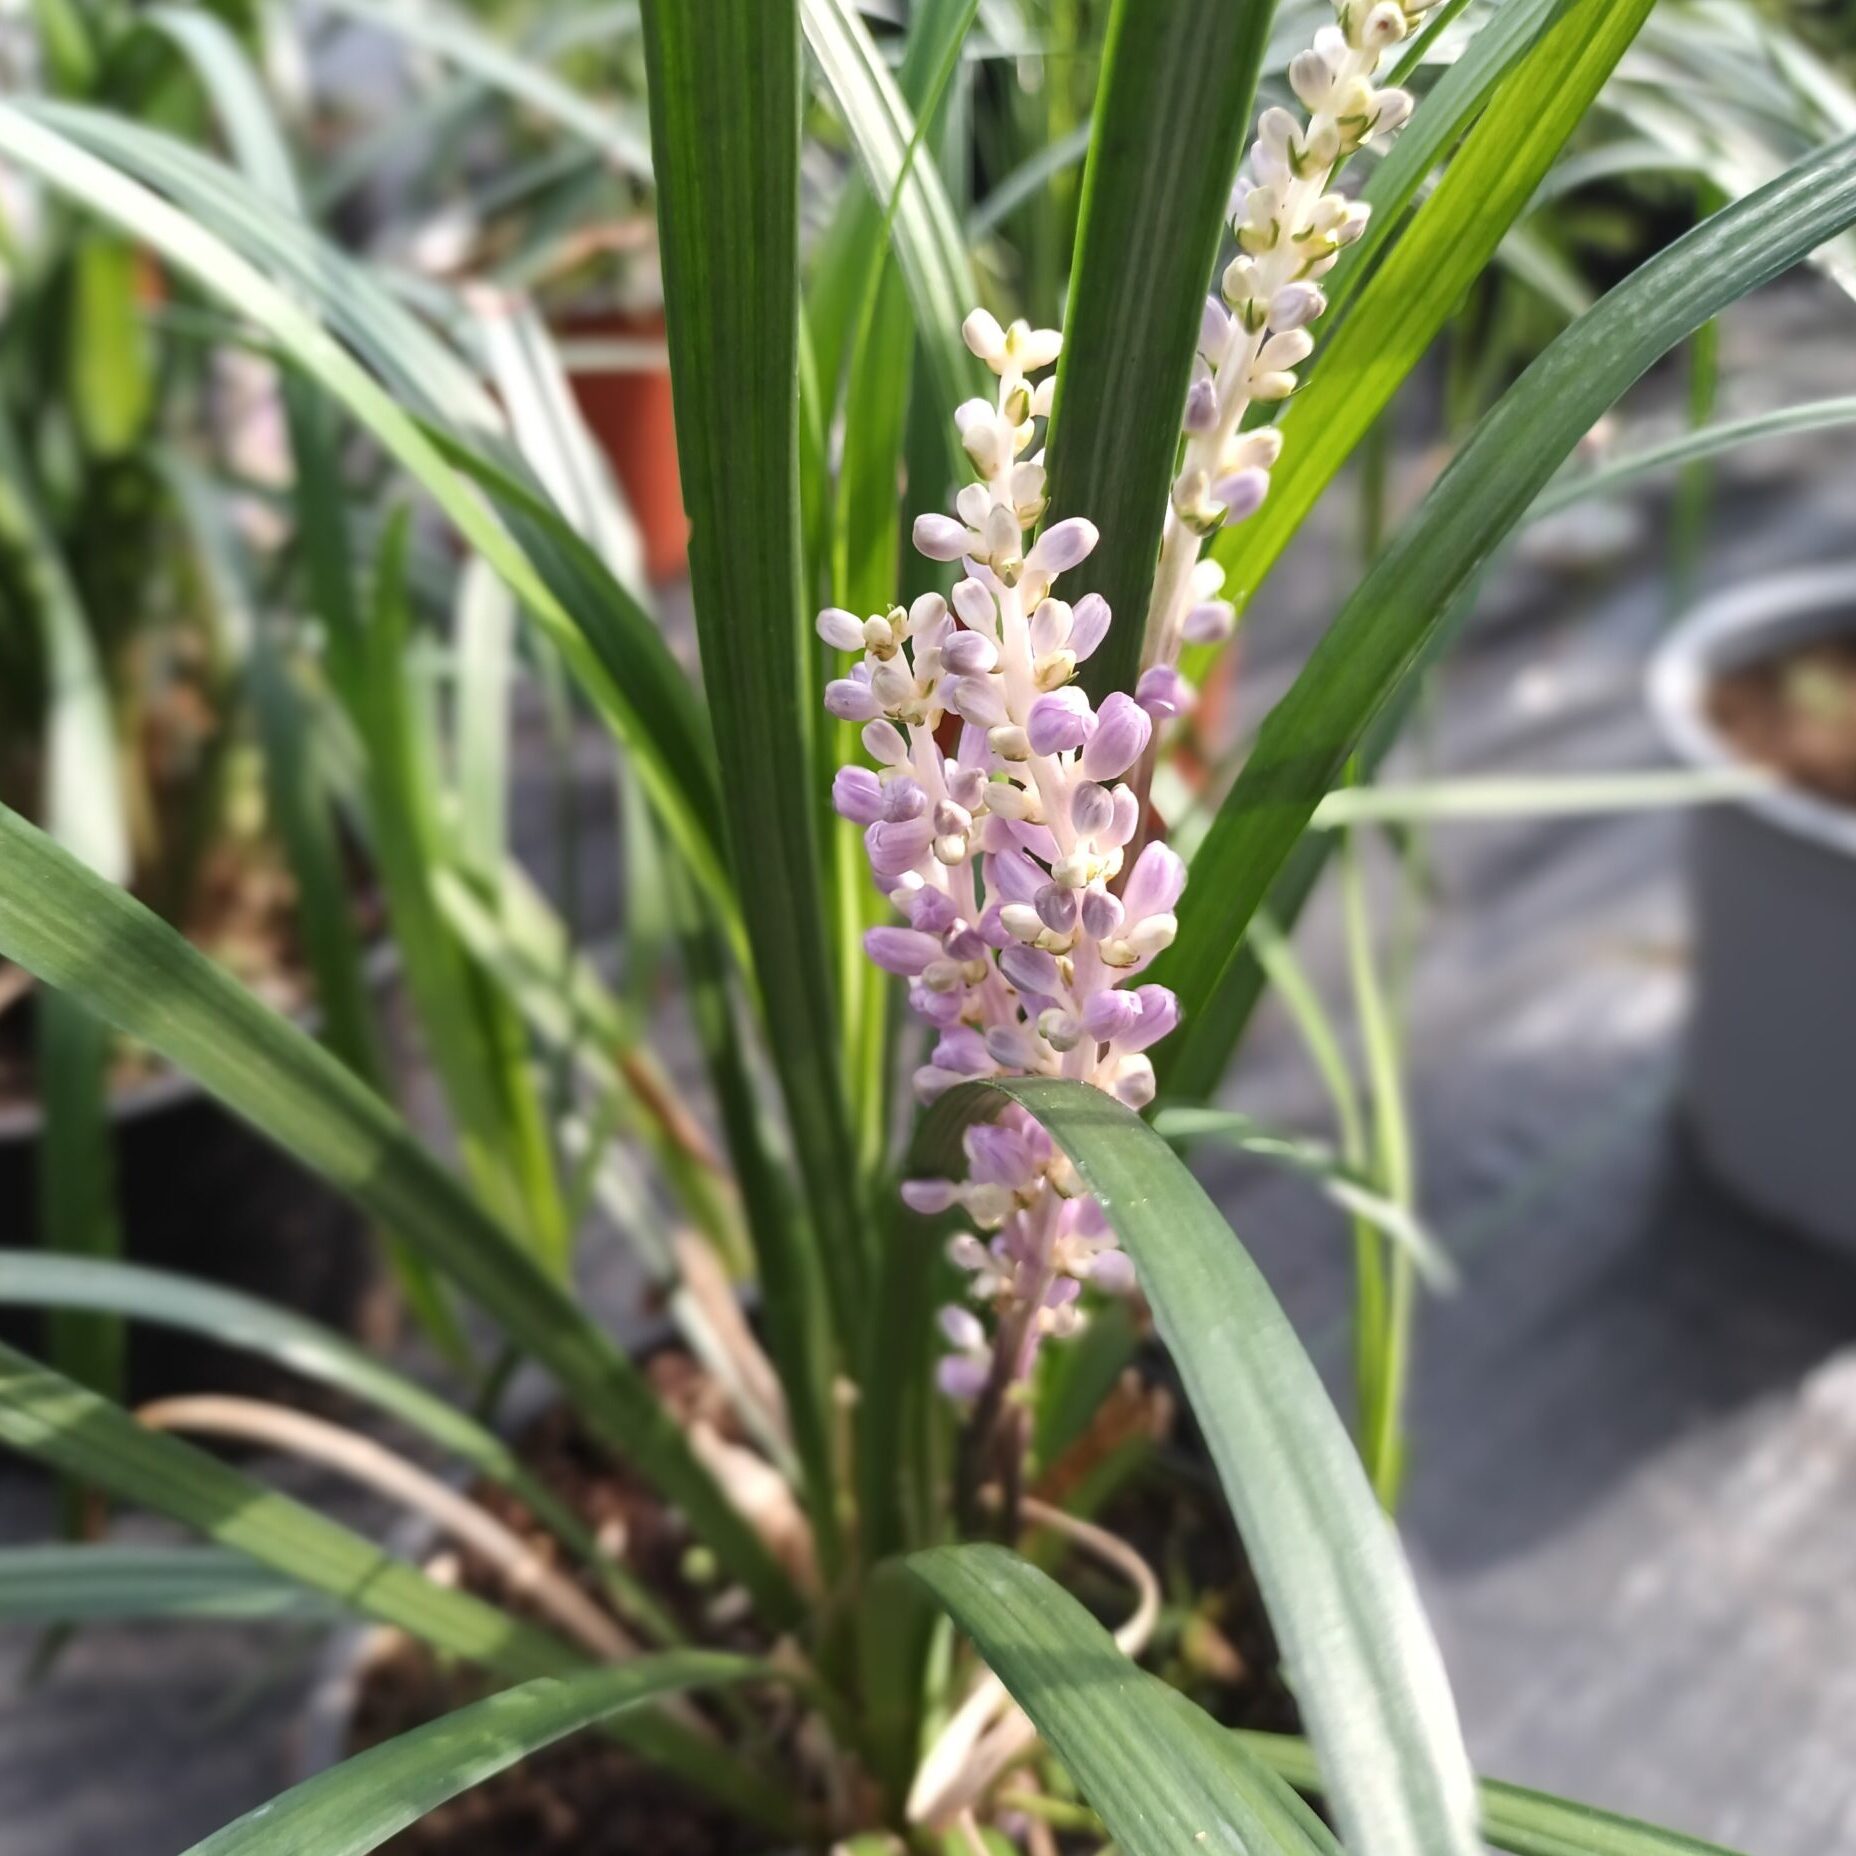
1796, 714
589, 1797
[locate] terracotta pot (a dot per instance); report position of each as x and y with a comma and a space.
1770, 1069
628, 410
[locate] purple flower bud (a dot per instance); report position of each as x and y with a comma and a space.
1011, 1047
843, 631
969, 654
1214, 330
1127, 817
1163, 693
1064, 545
931, 910
1088, 624
1056, 907
940, 1009
1156, 884
857, 794
1109, 1015
883, 741
1031, 970
941, 538
1060, 722
1102, 913
1242, 492
902, 799
1208, 622
962, 1376
978, 700
1036, 839
1112, 1271
851, 699
1091, 808
1201, 406
901, 950
996, 834
1122, 733
967, 944
1011, 876
998, 1156
991, 928
966, 786
1159, 1014
928, 1196
895, 848
963, 1051
1296, 305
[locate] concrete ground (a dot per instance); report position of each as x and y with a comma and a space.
1633, 1476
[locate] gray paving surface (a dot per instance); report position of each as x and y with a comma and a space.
1633, 1488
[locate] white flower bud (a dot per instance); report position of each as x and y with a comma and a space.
941, 538
983, 335
1033, 348
1005, 800
975, 607
1009, 742
842, 630
1020, 920
1391, 110
1153, 934
974, 503
1058, 1028
1311, 77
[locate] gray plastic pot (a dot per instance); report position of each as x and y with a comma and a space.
1771, 1059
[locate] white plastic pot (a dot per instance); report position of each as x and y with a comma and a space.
1771, 1060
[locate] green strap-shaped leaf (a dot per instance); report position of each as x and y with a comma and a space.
1357, 1648
358, 1805
78, 933
724, 79
1397, 314
59, 1422
1158, 1771
1172, 106
111, 1581
1526, 1823
1448, 108
30, 1280
1388, 624
925, 229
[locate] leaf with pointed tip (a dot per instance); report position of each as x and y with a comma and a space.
76, 932
1357, 1648
1401, 607
358, 1805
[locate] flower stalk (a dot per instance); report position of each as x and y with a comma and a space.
1291, 227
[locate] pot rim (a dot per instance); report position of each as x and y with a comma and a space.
1733, 628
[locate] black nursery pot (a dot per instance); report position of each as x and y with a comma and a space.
199, 1193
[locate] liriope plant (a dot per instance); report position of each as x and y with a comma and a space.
993, 736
